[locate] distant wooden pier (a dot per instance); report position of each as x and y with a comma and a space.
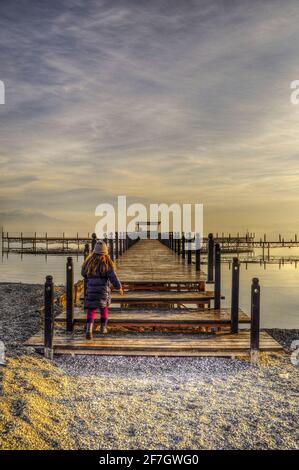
243, 246
45, 244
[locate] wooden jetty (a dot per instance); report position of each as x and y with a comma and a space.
166, 309
243, 246
59, 245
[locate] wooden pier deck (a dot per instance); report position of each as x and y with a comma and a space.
149, 261
158, 345
156, 318
152, 317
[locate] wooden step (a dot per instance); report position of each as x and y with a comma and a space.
162, 318
139, 296
157, 345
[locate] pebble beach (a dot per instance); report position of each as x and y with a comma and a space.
94, 402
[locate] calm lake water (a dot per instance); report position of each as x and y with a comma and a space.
279, 286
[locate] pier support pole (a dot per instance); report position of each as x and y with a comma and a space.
111, 251
235, 296
86, 253
120, 243
125, 242
179, 245
255, 320
210, 257
183, 246
49, 317
69, 294
189, 251
93, 241
197, 252
116, 245
217, 293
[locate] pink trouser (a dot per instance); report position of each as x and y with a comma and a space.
91, 314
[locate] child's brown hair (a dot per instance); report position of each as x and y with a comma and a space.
95, 263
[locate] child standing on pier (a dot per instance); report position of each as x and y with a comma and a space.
99, 270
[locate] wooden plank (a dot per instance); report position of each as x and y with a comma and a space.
174, 343
162, 296
169, 316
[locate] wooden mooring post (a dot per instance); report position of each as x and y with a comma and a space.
86, 253
235, 296
49, 317
197, 252
210, 257
217, 292
69, 294
93, 241
111, 247
183, 246
255, 320
179, 245
189, 249
116, 246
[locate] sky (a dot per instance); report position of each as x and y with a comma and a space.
162, 101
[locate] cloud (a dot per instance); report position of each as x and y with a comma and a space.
162, 101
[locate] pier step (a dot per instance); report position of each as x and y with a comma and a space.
162, 318
160, 297
157, 345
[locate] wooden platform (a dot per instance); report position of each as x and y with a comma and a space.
151, 261
157, 345
162, 318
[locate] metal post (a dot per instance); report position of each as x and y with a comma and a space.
179, 245
183, 246
217, 293
69, 294
86, 253
189, 251
120, 244
197, 252
111, 247
93, 241
116, 245
86, 250
49, 317
210, 257
235, 296
255, 318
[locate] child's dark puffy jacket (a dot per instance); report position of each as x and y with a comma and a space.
98, 292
